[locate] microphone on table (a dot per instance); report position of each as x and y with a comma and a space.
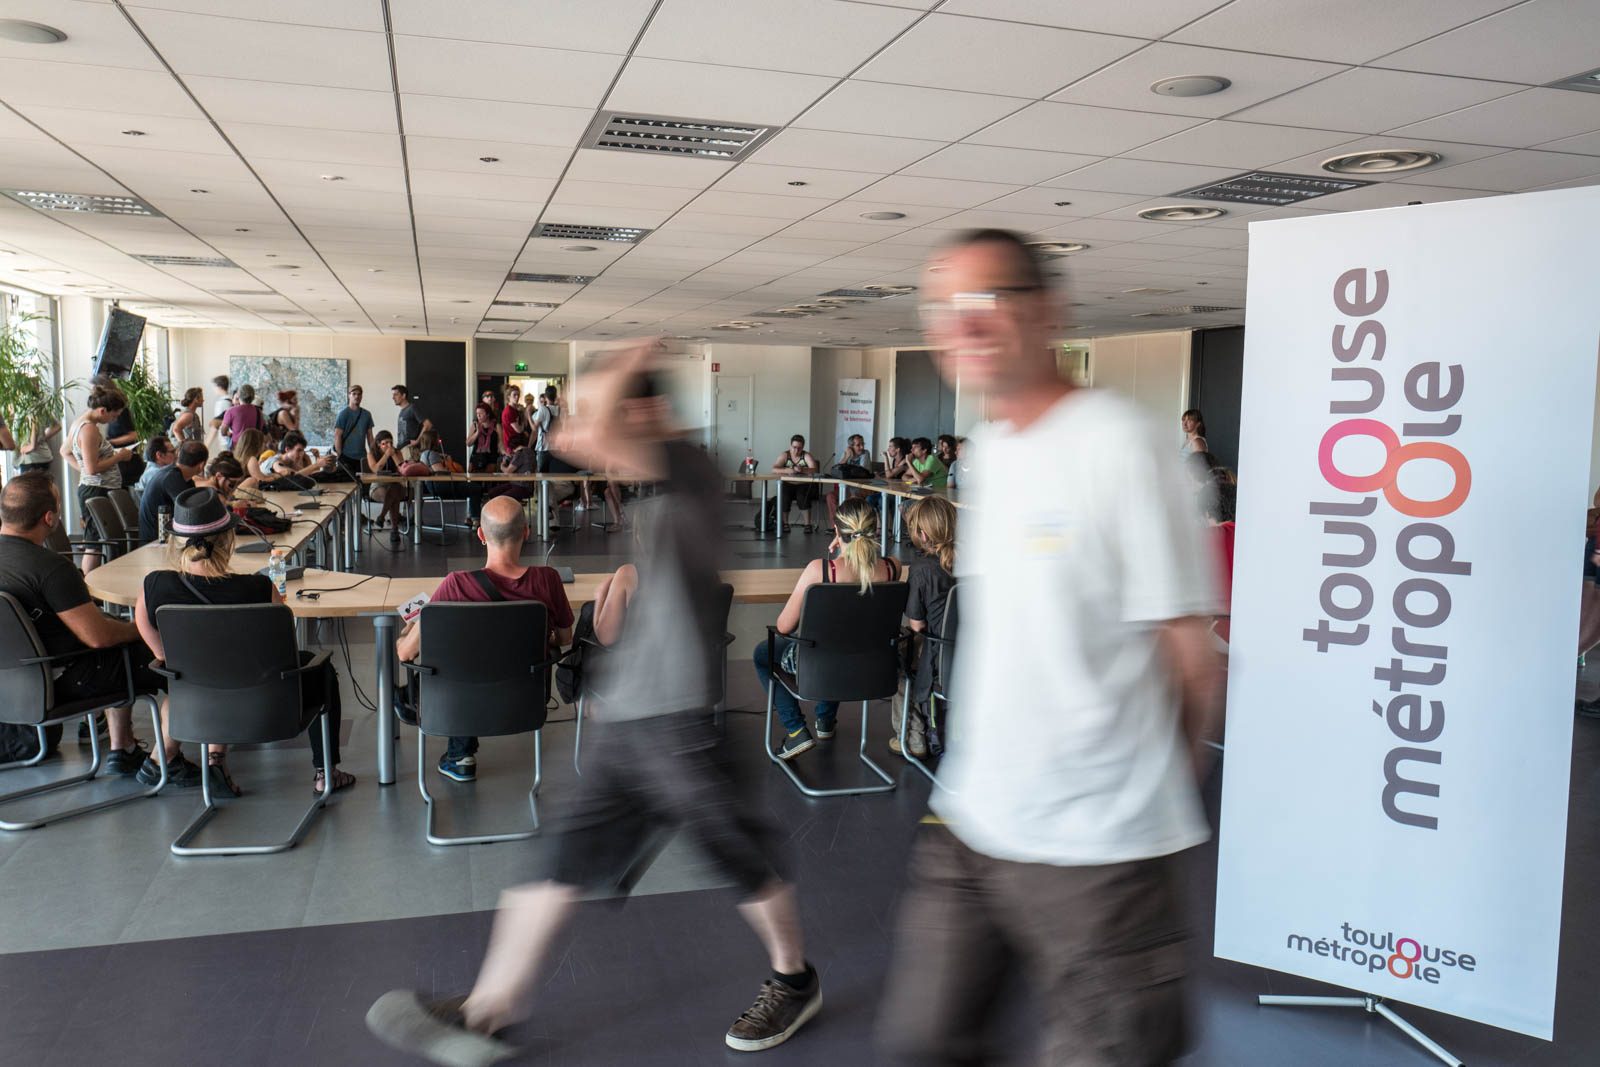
313, 492
259, 545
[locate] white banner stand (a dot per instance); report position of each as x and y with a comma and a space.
1412, 483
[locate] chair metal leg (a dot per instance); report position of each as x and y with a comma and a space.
94, 769
783, 764
477, 839
181, 846
38, 757
905, 749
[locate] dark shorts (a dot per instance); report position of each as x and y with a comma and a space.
102, 672
87, 493
645, 777
1102, 948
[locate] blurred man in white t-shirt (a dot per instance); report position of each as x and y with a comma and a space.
1085, 685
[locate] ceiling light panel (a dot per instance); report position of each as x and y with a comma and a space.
551, 279
1268, 187
667, 136
82, 203
184, 261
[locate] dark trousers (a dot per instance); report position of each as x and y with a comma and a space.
1102, 948
321, 688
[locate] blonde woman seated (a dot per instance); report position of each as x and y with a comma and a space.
855, 559
201, 546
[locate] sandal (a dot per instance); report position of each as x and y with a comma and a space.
217, 772
341, 780
811, 528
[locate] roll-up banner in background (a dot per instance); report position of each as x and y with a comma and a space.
1415, 438
858, 412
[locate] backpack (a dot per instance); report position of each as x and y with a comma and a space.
569, 670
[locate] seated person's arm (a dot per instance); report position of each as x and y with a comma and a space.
410, 642
563, 636
147, 628
7, 441
781, 464
916, 476
789, 617
97, 629
254, 466
611, 604
917, 625
812, 464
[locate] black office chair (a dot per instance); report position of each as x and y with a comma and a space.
848, 644
114, 536
941, 647
477, 659
27, 698
127, 508
595, 653
234, 672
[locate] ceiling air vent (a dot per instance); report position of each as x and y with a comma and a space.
568, 231
85, 203
186, 261
1587, 82
1184, 309
1145, 290
551, 279
856, 294
705, 138
243, 292
1267, 187
525, 304
1385, 160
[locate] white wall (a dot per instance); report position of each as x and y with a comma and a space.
1151, 369
1594, 447
542, 357
828, 366
781, 380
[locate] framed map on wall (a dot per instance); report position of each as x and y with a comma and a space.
321, 385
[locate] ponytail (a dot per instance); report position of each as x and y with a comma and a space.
858, 529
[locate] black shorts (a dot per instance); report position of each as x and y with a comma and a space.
87, 493
101, 673
652, 775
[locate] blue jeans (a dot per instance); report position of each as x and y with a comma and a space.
784, 701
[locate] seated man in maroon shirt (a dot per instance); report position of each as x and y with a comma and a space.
503, 530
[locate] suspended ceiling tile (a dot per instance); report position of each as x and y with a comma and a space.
1354, 31
711, 91
1084, 130
803, 36
431, 66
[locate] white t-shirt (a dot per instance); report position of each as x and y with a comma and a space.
220, 407
1065, 743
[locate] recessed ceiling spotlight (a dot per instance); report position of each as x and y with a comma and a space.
1063, 203
133, 133
374, 270
1057, 248
577, 248
29, 32
333, 177
1181, 213
1190, 85
460, 301
241, 229
1381, 161
890, 288
488, 159
286, 266
883, 216
202, 192
799, 183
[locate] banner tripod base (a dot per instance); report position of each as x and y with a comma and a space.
1370, 1004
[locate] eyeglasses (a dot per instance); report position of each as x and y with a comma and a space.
940, 313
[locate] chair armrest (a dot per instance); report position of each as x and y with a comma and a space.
938, 640
59, 656
589, 642
417, 668
316, 661
727, 640
160, 667
773, 631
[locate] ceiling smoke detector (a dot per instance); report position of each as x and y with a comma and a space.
882, 216
1181, 213
704, 138
1383, 160
1190, 85
86, 203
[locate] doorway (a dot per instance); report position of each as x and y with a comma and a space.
733, 421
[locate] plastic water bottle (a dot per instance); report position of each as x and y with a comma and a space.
164, 523
278, 571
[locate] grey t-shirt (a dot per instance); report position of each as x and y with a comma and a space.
669, 656
408, 426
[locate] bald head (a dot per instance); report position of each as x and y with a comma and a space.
503, 522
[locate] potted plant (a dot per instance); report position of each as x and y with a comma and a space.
28, 400
149, 403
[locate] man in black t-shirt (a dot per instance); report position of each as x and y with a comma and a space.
53, 595
165, 487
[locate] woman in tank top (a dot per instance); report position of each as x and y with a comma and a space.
96, 459
855, 543
187, 425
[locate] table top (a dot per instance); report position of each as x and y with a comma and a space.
760, 586
486, 476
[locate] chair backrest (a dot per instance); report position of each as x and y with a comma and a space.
107, 521
58, 541
483, 657
946, 648
725, 604
854, 657
230, 659
127, 508
26, 691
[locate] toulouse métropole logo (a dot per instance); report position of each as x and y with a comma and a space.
1430, 388
1402, 957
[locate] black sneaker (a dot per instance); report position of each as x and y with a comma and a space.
99, 726
437, 1032
826, 730
779, 1010
127, 762
795, 744
180, 772
462, 769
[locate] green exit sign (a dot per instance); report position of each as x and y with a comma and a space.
520, 365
